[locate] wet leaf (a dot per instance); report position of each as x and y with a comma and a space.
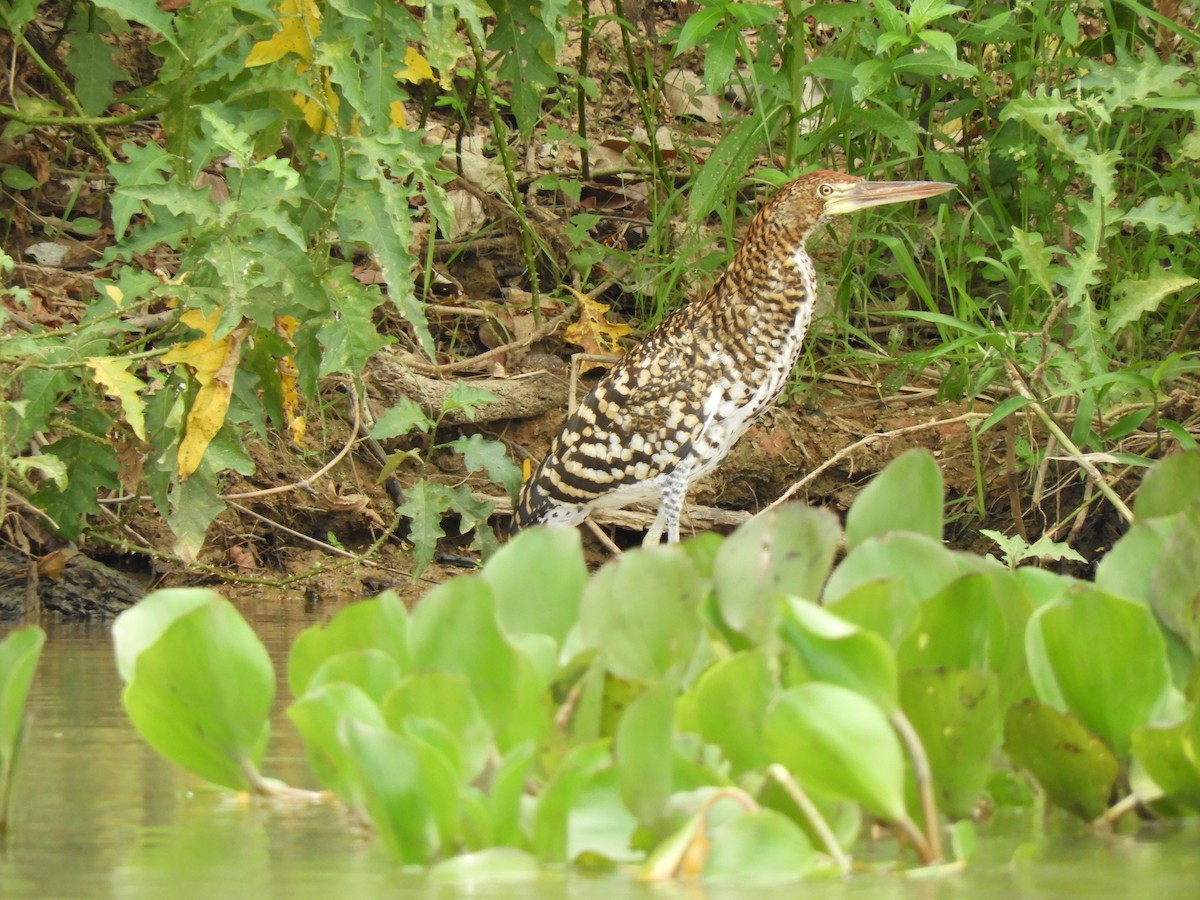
785, 551
832, 650
906, 496
956, 713
838, 742
1074, 767
642, 610
1101, 658
201, 687
380, 624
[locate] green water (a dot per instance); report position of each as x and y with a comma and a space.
97, 814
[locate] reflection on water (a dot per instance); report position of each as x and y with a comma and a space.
97, 814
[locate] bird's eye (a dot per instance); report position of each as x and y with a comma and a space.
825, 190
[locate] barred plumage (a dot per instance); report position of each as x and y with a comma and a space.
670, 410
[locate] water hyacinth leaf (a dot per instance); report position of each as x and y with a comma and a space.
761, 847
316, 716
454, 630
380, 624
730, 701
508, 787
885, 606
1100, 657
600, 828
838, 742
642, 610
1175, 579
830, 649
1171, 485
925, 565
1126, 569
956, 713
955, 628
19, 653
374, 671
446, 699
140, 626
1169, 756
1073, 766
906, 496
494, 865
554, 806
201, 693
642, 751
438, 759
388, 767
788, 550
537, 579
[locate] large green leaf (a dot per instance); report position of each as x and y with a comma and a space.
730, 701
833, 650
1175, 580
1073, 766
379, 624
372, 670
1171, 756
201, 688
454, 630
782, 551
956, 713
1101, 658
537, 579
1169, 487
554, 806
642, 610
19, 654
885, 606
836, 741
508, 791
955, 628
906, 496
643, 752
924, 564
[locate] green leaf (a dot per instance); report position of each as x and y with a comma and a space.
885, 606
201, 688
316, 716
732, 157
782, 551
1169, 487
508, 791
491, 456
838, 742
374, 671
447, 699
377, 624
760, 848
551, 559
956, 713
1139, 296
955, 629
488, 868
454, 630
832, 650
642, 610
1175, 580
1101, 658
388, 766
1073, 766
1174, 215
19, 653
1168, 755
643, 752
924, 565
400, 419
905, 496
550, 818
731, 701
195, 502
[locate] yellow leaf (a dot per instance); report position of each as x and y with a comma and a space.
118, 382
285, 327
593, 332
396, 114
115, 294
416, 67
213, 364
301, 22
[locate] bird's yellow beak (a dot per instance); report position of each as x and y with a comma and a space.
862, 194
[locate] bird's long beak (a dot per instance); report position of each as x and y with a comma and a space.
863, 194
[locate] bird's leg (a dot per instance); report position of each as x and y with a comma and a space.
654, 533
670, 508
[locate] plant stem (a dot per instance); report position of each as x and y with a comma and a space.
785, 780
924, 778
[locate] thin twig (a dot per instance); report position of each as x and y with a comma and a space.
866, 442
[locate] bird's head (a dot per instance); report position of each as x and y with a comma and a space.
804, 203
